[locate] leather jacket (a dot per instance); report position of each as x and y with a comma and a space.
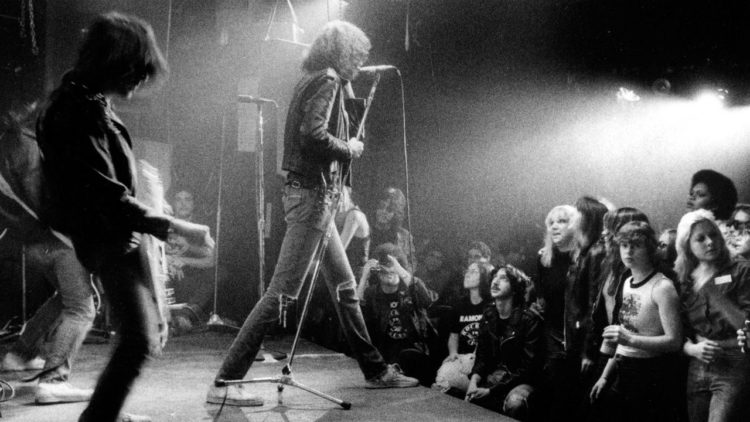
515, 350
317, 129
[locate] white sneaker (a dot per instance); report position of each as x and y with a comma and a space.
233, 395
392, 377
14, 362
61, 392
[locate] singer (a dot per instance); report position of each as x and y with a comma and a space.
317, 156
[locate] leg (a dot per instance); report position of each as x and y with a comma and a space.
340, 279
133, 306
698, 391
729, 385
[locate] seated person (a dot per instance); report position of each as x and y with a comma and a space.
190, 270
509, 351
436, 273
394, 306
464, 321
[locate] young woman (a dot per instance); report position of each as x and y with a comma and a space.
738, 239
638, 376
715, 296
713, 191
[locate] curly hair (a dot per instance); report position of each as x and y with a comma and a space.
722, 190
520, 283
119, 50
339, 46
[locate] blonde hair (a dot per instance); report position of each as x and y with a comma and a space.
686, 261
548, 249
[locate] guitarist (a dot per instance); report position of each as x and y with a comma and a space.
88, 163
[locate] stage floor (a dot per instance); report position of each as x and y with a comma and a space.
173, 388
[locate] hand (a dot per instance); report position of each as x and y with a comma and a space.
356, 147
451, 357
742, 340
196, 234
537, 307
477, 393
618, 334
596, 391
369, 265
705, 351
399, 269
586, 365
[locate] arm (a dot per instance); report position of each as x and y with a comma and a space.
420, 293
666, 299
317, 110
452, 347
356, 223
364, 280
596, 391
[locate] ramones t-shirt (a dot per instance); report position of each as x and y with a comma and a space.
465, 321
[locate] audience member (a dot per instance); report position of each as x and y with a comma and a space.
478, 252
713, 191
510, 346
666, 249
639, 378
738, 239
389, 225
463, 324
394, 304
715, 299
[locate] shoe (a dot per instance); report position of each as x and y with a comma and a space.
129, 417
61, 392
392, 377
14, 362
233, 395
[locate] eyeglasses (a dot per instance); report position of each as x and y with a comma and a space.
740, 226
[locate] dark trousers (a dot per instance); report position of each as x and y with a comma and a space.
133, 306
308, 218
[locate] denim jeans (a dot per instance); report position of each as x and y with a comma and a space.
308, 214
716, 391
134, 308
64, 319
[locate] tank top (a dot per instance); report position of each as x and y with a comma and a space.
640, 314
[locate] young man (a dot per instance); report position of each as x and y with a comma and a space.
510, 346
89, 165
317, 154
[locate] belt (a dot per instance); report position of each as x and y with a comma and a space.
297, 181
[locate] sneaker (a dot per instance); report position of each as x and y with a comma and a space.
14, 362
233, 395
129, 417
61, 392
392, 377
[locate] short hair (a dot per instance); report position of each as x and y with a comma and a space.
337, 46
639, 231
383, 250
613, 221
519, 282
119, 49
722, 190
481, 247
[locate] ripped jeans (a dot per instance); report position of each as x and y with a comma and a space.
307, 213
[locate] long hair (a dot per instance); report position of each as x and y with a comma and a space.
568, 211
485, 279
613, 221
395, 202
686, 261
590, 224
118, 50
339, 45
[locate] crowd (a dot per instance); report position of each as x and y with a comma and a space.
620, 321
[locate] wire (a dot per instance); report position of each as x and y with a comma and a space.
406, 168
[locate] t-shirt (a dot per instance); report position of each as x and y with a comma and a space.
398, 334
465, 320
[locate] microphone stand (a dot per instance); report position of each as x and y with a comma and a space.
312, 270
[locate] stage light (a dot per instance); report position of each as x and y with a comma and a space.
627, 95
713, 98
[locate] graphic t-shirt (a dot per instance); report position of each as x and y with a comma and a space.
465, 321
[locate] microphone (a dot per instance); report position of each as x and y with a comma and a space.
254, 100
376, 68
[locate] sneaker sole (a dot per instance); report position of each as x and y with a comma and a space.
55, 400
381, 386
233, 402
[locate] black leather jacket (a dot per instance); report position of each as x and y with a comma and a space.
317, 128
517, 350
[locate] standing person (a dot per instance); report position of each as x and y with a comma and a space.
89, 165
639, 376
715, 294
713, 191
316, 154
65, 318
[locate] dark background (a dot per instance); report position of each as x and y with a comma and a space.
510, 109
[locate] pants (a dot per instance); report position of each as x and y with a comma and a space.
518, 403
134, 307
65, 318
308, 214
716, 391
